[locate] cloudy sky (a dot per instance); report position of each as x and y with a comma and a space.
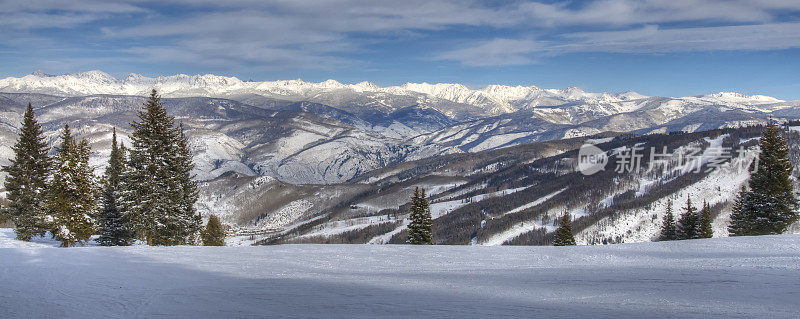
655, 47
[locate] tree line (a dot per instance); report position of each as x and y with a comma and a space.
692, 223
767, 205
147, 192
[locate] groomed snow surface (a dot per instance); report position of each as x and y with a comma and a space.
721, 277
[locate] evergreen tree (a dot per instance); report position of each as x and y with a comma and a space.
188, 193
688, 222
159, 193
740, 222
112, 222
704, 226
419, 230
26, 182
72, 194
770, 206
669, 230
213, 234
564, 235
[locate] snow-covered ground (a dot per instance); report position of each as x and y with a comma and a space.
720, 277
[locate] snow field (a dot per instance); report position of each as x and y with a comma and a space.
710, 278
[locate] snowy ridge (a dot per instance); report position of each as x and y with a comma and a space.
496, 99
492, 99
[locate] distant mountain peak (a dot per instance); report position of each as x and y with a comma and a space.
735, 97
366, 86
95, 75
134, 77
40, 73
630, 95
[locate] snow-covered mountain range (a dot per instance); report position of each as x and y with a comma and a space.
454, 100
507, 114
324, 145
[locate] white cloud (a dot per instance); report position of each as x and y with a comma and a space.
497, 52
69, 6
261, 57
295, 33
321, 34
23, 15
649, 39
26, 20
629, 12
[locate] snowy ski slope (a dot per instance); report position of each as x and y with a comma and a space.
713, 278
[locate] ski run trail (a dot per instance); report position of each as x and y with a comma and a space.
710, 278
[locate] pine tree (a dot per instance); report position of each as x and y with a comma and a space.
72, 193
564, 235
704, 226
26, 182
740, 222
112, 222
419, 230
669, 230
688, 222
770, 206
159, 193
213, 234
187, 188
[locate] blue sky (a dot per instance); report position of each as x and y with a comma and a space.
655, 47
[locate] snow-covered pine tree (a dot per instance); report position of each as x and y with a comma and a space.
112, 222
72, 193
26, 182
770, 206
740, 222
704, 229
213, 234
158, 193
187, 194
564, 235
419, 230
687, 224
669, 230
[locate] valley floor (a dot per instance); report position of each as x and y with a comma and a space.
721, 277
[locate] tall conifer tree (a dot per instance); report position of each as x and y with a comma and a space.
770, 206
72, 194
704, 226
419, 230
688, 223
669, 230
160, 194
740, 222
26, 182
184, 179
113, 223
